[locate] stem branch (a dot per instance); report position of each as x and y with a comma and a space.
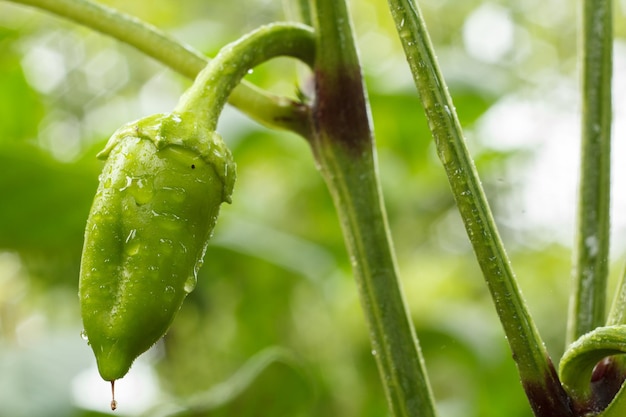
537, 372
588, 299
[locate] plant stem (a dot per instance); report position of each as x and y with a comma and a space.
215, 83
344, 149
537, 372
267, 109
193, 122
588, 299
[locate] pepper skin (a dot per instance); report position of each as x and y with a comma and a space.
147, 232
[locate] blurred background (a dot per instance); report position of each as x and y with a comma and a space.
274, 327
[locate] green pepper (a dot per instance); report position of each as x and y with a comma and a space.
147, 232
157, 203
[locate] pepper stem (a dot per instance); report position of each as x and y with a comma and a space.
210, 91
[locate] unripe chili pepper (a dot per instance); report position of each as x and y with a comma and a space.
157, 203
154, 211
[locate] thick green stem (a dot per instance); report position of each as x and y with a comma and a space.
270, 110
588, 300
537, 372
344, 148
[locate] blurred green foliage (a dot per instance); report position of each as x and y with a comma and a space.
274, 326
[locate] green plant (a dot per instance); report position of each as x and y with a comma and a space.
335, 122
